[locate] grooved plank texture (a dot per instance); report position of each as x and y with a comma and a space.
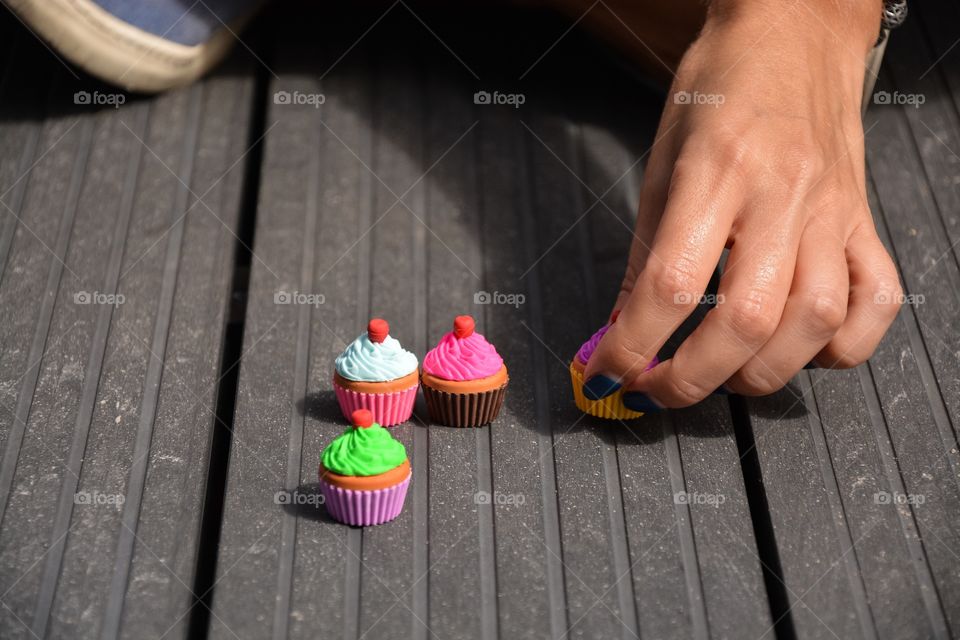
400, 197
860, 467
117, 242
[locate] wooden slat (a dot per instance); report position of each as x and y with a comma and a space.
910, 164
393, 590
840, 450
569, 546
531, 595
733, 599
24, 88
591, 540
462, 566
584, 450
288, 569
117, 401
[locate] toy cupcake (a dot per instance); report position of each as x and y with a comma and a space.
464, 379
610, 407
364, 473
374, 372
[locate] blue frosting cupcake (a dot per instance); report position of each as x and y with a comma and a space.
376, 373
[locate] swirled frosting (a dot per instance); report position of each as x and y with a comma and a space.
363, 451
462, 358
367, 361
588, 347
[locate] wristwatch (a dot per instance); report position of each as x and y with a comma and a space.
894, 13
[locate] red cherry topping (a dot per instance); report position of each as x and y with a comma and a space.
463, 326
362, 418
378, 330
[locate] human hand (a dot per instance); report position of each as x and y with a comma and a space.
760, 150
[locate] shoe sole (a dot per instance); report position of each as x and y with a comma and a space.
117, 52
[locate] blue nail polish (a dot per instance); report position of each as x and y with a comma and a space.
599, 387
811, 365
636, 401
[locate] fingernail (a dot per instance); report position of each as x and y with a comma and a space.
636, 401
811, 365
599, 387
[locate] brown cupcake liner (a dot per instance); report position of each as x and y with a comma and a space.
464, 409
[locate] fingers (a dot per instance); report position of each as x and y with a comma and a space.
653, 200
701, 204
751, 299
815, 310
875, 298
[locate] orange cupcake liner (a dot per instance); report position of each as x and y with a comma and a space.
610, 408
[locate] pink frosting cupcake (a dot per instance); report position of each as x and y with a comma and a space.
610, 407
464, 379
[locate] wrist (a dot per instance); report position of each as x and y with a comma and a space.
804, 40
853, 23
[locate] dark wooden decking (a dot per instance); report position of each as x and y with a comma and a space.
145, 444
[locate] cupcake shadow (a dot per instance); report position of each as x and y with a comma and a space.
307, 503
320, 405
709, 419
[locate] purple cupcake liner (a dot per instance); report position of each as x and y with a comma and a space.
364, 508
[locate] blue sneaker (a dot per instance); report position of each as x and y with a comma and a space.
140, 45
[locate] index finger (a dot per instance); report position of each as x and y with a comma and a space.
699, 213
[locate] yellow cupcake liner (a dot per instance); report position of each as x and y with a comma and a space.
610, 407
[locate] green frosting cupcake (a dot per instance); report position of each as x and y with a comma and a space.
363, 451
